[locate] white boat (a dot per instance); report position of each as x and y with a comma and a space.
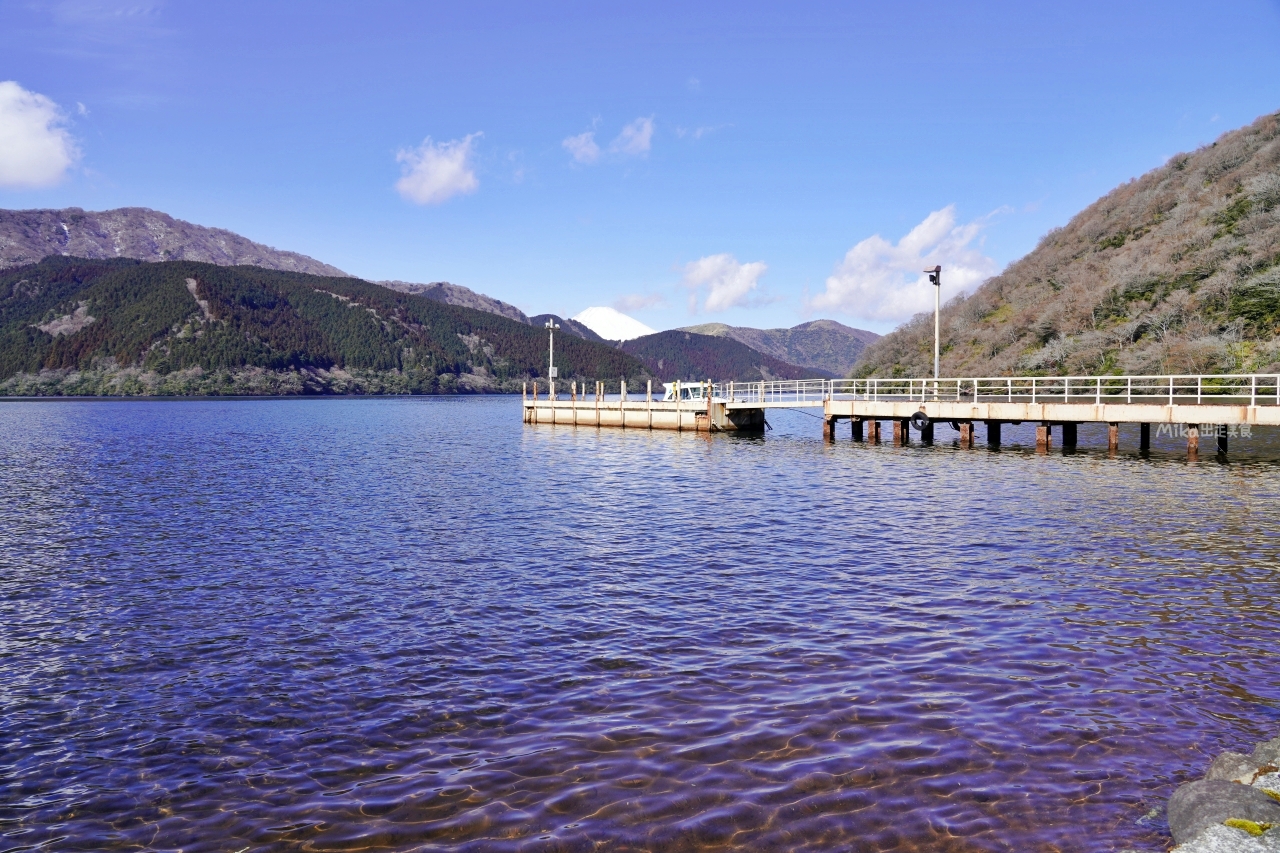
673, 391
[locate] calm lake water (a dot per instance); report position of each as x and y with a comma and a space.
422, 625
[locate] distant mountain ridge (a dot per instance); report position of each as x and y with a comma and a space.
568, 326
678, 354
818, 348
823, 345
456, 294
29, 236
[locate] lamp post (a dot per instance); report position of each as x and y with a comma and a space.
551, 356
935, 278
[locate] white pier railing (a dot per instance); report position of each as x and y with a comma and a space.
1176, 389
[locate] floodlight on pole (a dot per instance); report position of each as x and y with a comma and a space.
935, 278
551, 354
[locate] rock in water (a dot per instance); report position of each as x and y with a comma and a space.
1268, 753
1197, 806
1224, 839
1232, 767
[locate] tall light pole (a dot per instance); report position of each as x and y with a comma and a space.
551, 356
935, 278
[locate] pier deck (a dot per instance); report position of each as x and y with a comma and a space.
1208, 405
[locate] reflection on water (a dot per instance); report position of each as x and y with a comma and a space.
419, 624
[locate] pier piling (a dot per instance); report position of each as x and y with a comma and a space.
1044, 436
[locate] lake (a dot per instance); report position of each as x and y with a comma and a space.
418, 624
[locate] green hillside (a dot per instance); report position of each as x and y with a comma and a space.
686, 355
1177, 271
76, 326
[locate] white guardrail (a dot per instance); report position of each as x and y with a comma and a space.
1221, 390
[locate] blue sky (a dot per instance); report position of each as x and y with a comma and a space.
752, 163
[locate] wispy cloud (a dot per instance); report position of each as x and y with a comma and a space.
433, 172
878, 280
583, 147
640, 301
635, 139
727, 282
36, 149
697, 132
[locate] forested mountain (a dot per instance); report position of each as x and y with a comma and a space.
568, 326
820, 344
1175, 272
687, 355
456, 294
27, 236
81, 326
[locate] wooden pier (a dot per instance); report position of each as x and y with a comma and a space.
1192, 406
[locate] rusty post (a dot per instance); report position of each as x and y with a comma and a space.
901, 432
857, 428
873, 431
1044, 435
1193, 440
1113, 438
966, 434
828, 429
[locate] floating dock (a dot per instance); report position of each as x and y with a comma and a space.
704, 414
1216, 406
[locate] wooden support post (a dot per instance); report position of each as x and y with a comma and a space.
873, 431
1222, 438
993, 433
1193, 440
926, 434
1113, 438
1144, 438
1044, 436
857, 428
1068, 436
966, 434
901, 432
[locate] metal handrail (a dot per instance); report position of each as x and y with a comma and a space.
1168, 389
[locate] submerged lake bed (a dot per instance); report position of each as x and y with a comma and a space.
419, 624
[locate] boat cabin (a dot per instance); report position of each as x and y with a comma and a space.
685, 390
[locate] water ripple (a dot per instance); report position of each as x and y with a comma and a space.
420, 625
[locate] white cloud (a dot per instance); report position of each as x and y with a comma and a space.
728, 282
583, 147
36, 150
434, 173
880, 281
636, 138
